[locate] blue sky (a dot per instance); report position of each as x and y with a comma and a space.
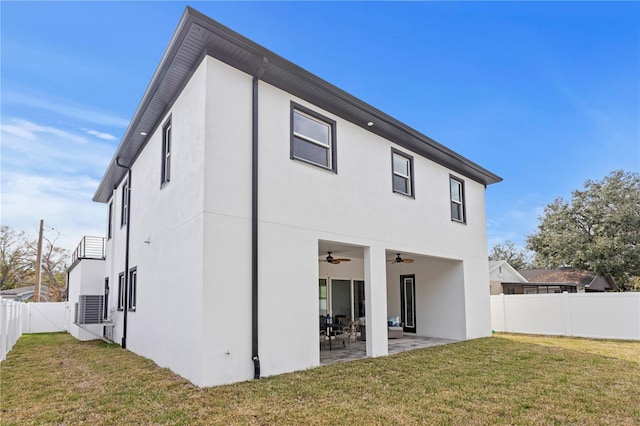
544, 94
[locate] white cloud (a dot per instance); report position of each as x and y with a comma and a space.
65, 107
30, 146
51, 173
63, 202
27, 129
102, 135
17, 130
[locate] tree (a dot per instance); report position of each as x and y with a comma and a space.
519, 259
18, 263
15, 264
54, 268
599, 230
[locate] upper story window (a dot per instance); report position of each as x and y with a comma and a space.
457, 200
313, 138
402, 172
166, 153
110, 220
124, 211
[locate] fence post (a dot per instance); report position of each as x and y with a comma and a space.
567, 313
3, 328
504, 312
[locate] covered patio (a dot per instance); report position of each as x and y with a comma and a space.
357, 350
418, 298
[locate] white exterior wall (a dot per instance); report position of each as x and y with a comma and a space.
167, 324
197, 263
226, 327
300, 204
86, 277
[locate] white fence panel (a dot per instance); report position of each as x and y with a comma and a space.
47, 317
596, 315
17, 318
10, 325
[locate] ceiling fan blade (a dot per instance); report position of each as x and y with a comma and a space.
407, 260
343, 260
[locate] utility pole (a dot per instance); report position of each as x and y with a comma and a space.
36, 288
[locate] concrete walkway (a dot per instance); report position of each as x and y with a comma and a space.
357, 350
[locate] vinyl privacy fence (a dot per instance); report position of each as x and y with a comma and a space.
17, 318
595, 315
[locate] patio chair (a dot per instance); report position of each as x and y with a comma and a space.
323, 338
348, 333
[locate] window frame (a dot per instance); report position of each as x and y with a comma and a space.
107, 291
462, 203
110, 220
165, 167
124, 208
132, 289
121, 290
332, 147
409, 178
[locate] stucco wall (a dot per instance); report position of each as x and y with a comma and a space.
86, 277
166, 241
196, 260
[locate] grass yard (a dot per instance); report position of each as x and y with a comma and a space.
505, 379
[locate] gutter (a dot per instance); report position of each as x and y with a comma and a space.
254, 220
125, 307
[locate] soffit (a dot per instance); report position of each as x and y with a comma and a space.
198, 35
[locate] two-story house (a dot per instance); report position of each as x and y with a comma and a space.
239, 175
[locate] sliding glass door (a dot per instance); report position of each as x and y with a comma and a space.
341, 297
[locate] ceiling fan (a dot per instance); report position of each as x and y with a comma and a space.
399, 259
333, 260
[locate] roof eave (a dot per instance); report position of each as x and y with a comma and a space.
215, 40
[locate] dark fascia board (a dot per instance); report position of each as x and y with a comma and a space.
197, 35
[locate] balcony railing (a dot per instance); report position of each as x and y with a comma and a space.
89, 248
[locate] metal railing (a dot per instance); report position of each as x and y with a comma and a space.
89, 248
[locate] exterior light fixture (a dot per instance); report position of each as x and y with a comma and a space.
143, 133
370, 124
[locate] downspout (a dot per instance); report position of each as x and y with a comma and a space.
254, 221
126, 257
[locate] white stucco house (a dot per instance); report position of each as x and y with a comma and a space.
239, 173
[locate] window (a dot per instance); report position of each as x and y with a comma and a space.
166, 153
124, 212
313, 138
105, 311
121, 290
457, 200
322, 285
402, 176
110, 221
131, 291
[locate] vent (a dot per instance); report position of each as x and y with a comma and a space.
89, 309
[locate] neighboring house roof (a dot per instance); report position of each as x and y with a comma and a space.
25, 293
198, 35
565, 276
508, 272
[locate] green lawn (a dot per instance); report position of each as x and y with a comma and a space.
505, 379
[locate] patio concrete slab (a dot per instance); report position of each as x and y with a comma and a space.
357, 350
